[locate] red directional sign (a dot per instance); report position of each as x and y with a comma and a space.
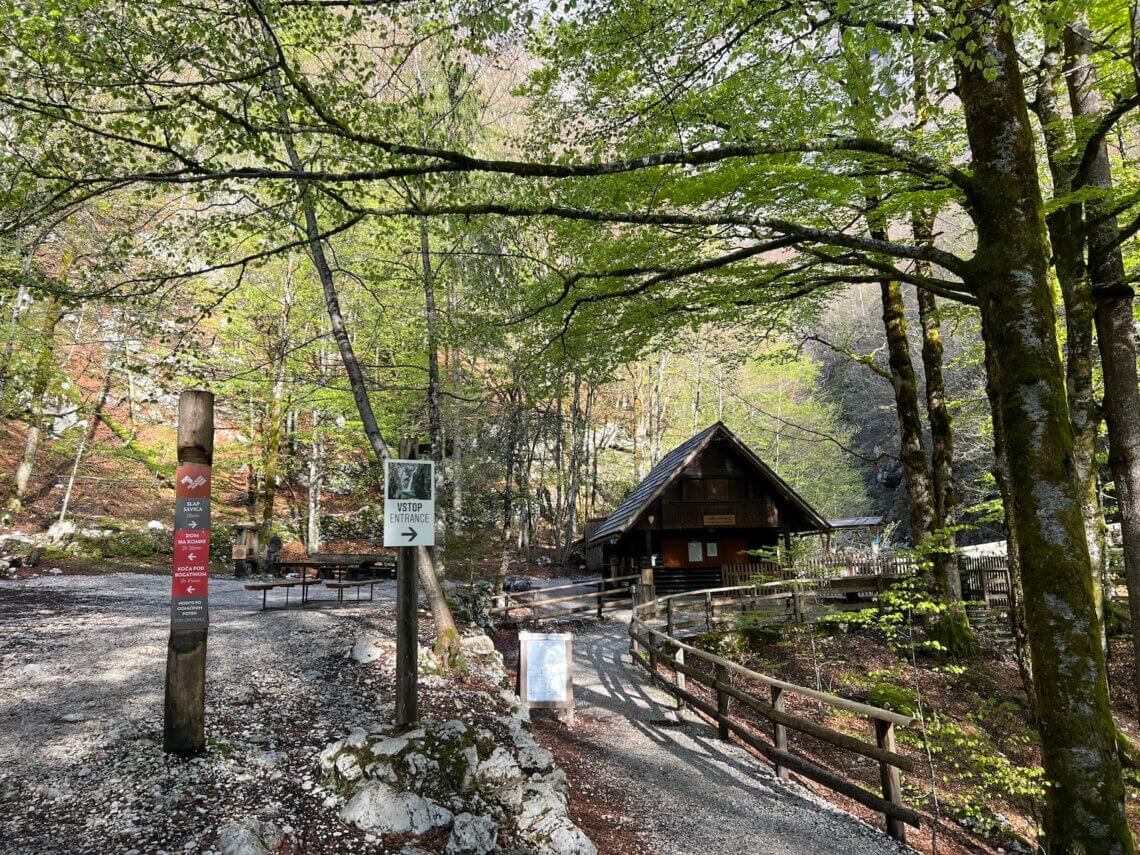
191, 563
189, 606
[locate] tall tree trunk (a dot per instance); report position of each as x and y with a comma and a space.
1018, 626
447, 636
937, 408
88, 438
435, 422
1115, 330
271, 453
912, 450
315, 487
11, 332
1085, 797
41, 378
1066, 238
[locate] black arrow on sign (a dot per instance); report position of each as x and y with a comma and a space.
410, 534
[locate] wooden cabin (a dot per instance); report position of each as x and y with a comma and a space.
707, 504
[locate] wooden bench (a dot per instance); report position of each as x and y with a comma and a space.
339, 587
265, 588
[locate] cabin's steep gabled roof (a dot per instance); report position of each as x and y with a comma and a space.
671, 466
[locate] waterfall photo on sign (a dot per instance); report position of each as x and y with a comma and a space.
409, 479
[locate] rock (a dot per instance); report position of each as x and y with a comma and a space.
499, 769
155, 525
270, 759
480, 643
544, 823
348, 767
248, 836
33, 670
60, 531
380, 809
366, 650
472, 835
55, 571
534, 758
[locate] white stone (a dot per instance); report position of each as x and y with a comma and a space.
155, 525
500, 768
389, 746
348, 767
60, 531
366, 650
480, 643
534, 758
472, 835
380, 809
248, 836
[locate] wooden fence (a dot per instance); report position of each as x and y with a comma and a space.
985, 580
655, 645
825, 567
532, 605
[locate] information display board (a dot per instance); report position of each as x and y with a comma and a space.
546, 669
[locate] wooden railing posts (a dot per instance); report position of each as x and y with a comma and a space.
779, 731
891, 779
722, 700
648, 642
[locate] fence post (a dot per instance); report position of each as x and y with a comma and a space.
652, 642
892, 781
647, 591
669, 617
708, 611
722, 700
779, 731
599, 594
678, 677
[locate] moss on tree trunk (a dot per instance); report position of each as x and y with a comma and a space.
1085, 802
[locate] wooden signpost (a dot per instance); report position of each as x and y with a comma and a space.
184, 724
409, 522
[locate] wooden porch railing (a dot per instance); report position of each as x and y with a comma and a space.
655, 645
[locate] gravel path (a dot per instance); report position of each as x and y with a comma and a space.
82, 662
699, 794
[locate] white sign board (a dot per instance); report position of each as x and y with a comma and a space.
545, 669
409, 503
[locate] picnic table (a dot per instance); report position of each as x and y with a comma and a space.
339, 565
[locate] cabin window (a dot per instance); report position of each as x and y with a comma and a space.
710, 550
695, 553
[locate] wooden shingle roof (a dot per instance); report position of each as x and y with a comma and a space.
671, 466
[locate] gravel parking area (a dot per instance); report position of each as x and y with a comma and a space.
82, 660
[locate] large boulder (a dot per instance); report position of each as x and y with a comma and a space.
383, 810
